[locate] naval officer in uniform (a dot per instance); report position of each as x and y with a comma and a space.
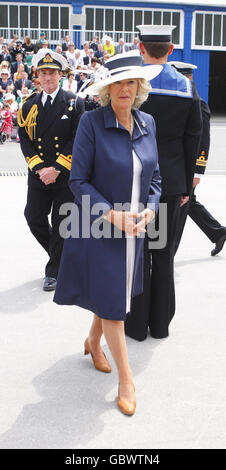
198, 213
47, 127
175, 106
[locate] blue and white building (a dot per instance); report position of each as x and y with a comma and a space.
199, 37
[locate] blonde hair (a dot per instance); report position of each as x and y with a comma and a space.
143, 90
4, 65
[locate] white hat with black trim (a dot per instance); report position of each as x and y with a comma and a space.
125, 66
48, 59
183, 67
155, 33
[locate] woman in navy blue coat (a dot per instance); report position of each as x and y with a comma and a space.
114, 162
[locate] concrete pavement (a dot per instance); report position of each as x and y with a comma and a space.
52, 397
11, 158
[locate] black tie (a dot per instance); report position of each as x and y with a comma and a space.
47, 104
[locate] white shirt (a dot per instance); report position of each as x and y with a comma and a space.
73, 88
53, 95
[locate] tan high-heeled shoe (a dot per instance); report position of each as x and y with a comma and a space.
104, 365
128, 408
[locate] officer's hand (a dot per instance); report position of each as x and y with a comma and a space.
48, 175
184, 200
195, 181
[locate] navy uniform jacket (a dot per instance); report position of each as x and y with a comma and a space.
93, 271
175, 106
205, 139
53, 142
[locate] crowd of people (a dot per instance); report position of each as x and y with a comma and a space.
18, 78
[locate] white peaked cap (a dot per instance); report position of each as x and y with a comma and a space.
155, 33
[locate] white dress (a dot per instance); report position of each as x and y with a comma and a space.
130, 240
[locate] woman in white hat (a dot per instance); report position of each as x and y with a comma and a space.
114, 162
108, 45
5, 80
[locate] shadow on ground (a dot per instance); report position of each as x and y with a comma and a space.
72, 402
23, 298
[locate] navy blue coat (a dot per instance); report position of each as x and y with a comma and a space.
93, 271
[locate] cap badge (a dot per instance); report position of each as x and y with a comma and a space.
48, 58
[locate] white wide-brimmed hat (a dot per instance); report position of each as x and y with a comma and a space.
106, 38
5, 71
125, 66
9, 97
48, 59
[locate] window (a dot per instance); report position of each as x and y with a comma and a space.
209, 30
44, 18
89, 18
64, 17
166, 17
217, 30
30, 19
3, 16
13, 16
121, 21
23, 17
99, 18
147, 17
128, 20
109, 20
224, 30
54, 18
137, 19
157, 17
199, 30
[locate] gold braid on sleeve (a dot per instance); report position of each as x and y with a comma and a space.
30, 122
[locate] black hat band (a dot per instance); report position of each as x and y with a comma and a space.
155, 38
132, 61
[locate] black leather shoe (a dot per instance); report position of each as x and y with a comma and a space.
219, 245
49, 283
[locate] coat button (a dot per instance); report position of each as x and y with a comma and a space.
56, 138
57, 153
39, 146
57, 145
41, 154
39, 139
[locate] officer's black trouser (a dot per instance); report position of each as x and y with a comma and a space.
160, 285
205, 221
40, 203
200, 215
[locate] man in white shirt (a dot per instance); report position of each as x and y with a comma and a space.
121, 47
